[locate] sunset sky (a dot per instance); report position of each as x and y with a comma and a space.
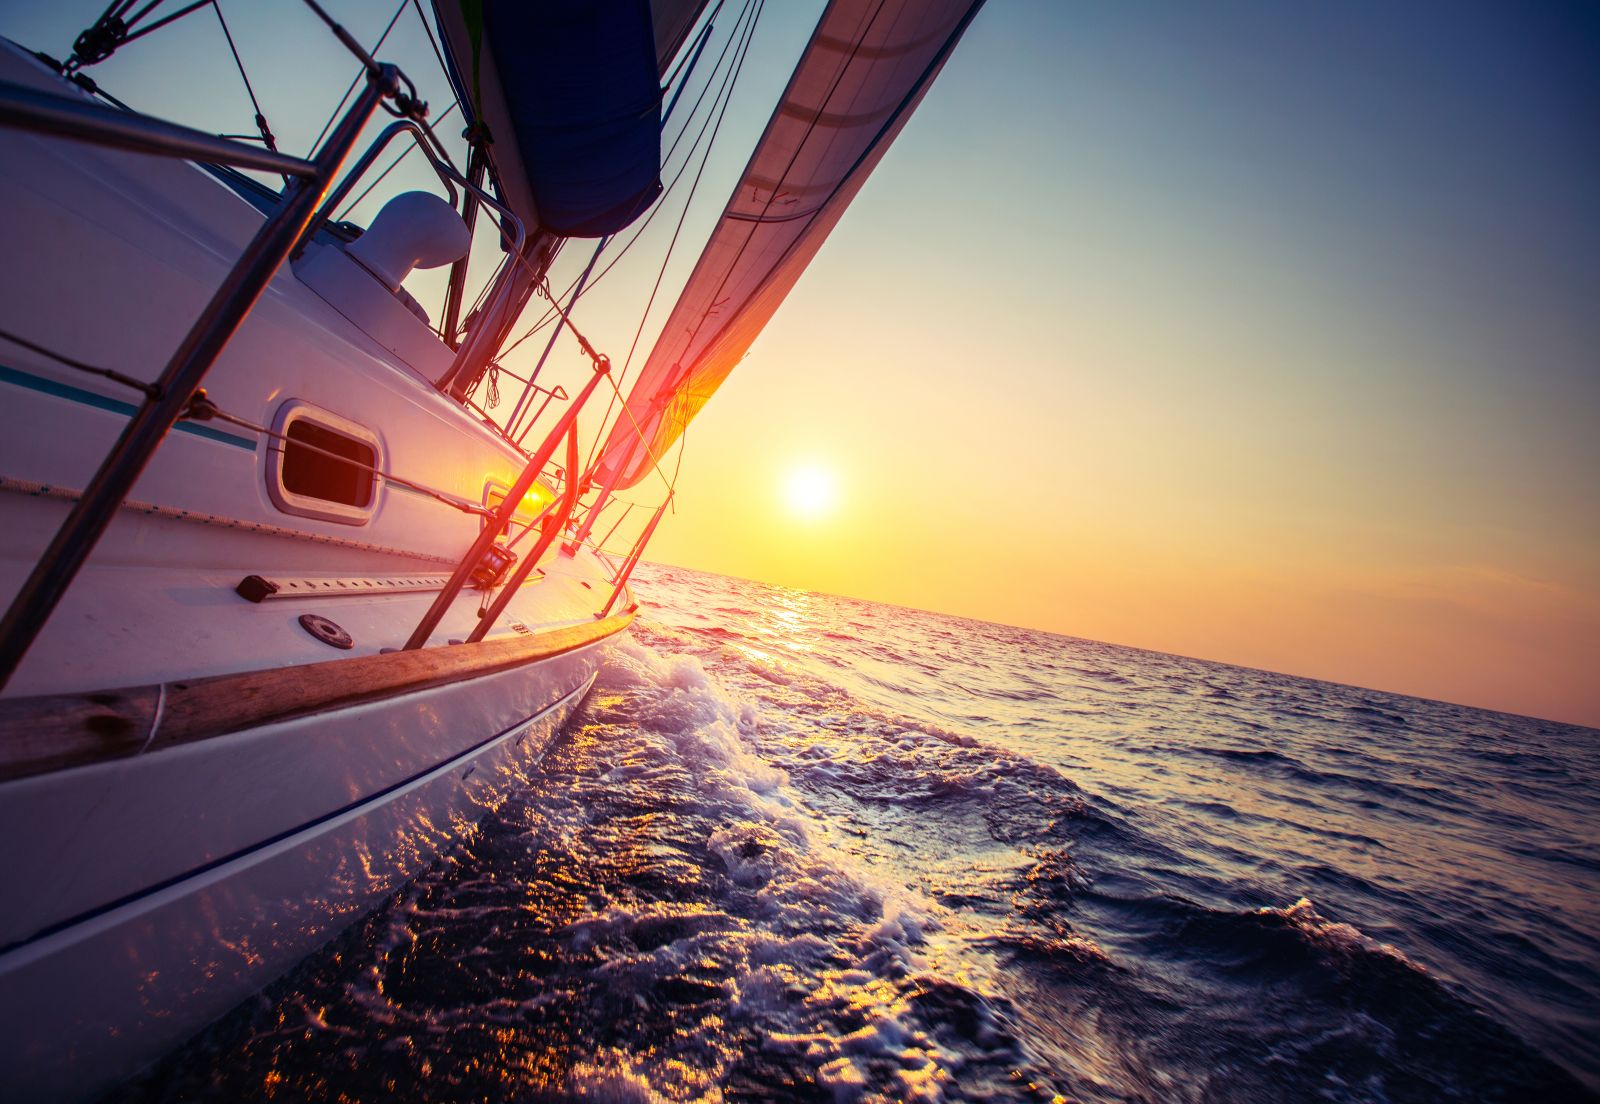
1260, 337
1261, 333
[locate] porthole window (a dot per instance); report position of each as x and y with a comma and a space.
324, 467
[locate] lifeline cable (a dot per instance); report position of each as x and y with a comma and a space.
202, 408
150, 390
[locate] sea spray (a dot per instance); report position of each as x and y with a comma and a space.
804, 848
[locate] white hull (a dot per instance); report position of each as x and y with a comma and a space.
90, 1003
107, 257
155, 882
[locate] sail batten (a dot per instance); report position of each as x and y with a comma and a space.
866, 68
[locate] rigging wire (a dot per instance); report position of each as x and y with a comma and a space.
82, 80
627, 509
542, 286
444, 66
346, 39
267, 138
356, 80
689, 71
686, 58
639, 432
730, 85
162, 22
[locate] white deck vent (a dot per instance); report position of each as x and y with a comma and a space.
362, 281
414, 230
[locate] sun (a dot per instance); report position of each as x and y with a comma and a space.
810, 492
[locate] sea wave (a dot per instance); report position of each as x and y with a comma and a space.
800, 848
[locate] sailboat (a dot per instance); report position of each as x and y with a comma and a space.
287, 608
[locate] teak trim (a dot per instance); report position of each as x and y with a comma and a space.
53, 732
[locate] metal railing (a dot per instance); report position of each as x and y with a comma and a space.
633, 557
63, 116
507, 511
279, 236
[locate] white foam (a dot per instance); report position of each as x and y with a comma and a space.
1335, 935
616, 1082
774, 846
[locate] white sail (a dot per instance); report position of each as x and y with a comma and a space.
866, 68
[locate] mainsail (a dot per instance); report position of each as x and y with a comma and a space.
866, 68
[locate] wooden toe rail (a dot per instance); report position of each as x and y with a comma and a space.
56, 731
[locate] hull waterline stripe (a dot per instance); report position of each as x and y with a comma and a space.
57, 389
425, 775
52, 732
66, 391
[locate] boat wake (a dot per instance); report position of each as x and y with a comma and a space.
742, 875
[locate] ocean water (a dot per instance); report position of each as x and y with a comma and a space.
803, 848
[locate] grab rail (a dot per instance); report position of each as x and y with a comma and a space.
444, 170
29, 109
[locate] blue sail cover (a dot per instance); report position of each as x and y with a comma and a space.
570, 93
